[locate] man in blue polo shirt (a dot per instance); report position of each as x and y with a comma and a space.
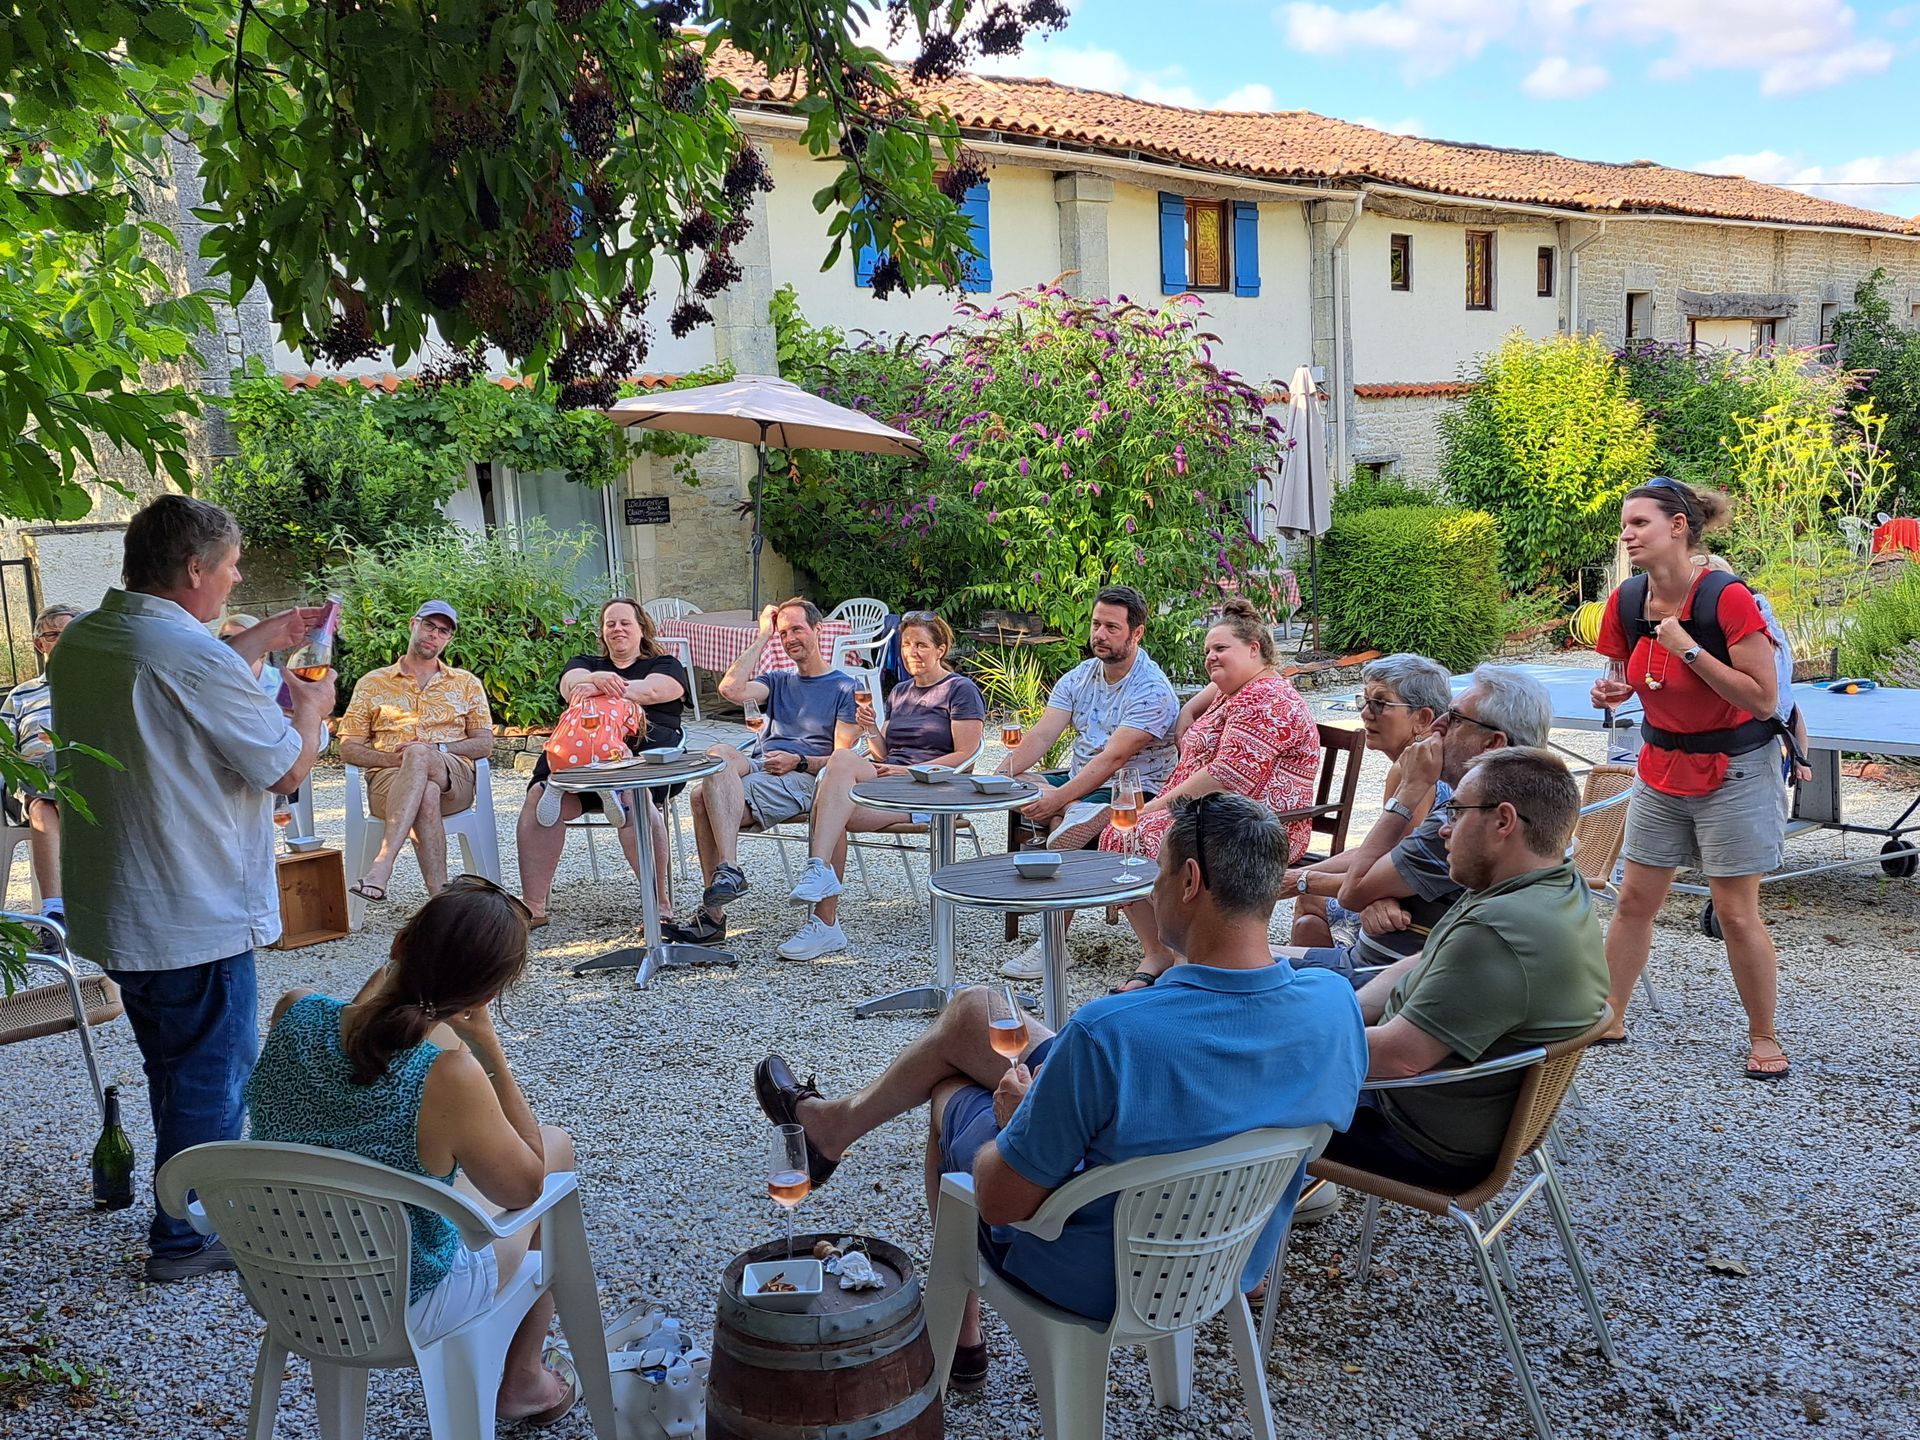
1227, 1042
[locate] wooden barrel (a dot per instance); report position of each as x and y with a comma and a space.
857, 1366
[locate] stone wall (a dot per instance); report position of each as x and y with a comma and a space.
1814, 267
1404, 430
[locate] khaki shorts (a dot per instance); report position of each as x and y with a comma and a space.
775, 799
456, 791
1740, 829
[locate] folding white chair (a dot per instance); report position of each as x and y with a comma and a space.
475, 828
1183, 1227
73, 1001
322, 1244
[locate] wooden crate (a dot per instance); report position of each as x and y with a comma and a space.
313, 898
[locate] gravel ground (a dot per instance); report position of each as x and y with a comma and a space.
1678, 1167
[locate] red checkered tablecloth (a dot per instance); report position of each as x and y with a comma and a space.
720, 637
1282, 579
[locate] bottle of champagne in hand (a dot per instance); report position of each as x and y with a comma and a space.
112, 1160
314, 659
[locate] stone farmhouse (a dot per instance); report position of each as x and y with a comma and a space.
1389, 262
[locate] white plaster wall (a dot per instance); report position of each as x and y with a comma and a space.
1427, 333
1023, 230
1265, 336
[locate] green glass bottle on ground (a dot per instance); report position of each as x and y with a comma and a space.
112, 1160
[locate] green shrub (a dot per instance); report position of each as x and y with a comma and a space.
521, 615
1369, 491
1870, 339
1070, 445
1548, 440
1883, 630
1424, 579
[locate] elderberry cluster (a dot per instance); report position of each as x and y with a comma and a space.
746, 173
688, 316
456, 368
350, 336
1000, 29
571, 12
590, 120
667, 16
597, 352
965, 173
683, 88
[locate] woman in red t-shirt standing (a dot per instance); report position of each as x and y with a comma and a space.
1709, 790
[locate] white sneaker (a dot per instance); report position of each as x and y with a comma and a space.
814, 939
546, 810
1029, 964
1317, 1206
817, 882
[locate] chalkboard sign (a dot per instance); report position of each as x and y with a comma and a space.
649, 510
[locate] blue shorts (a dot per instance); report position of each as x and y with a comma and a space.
968, 1126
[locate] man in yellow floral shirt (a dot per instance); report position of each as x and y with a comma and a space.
415, 729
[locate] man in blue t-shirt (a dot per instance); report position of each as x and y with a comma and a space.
809, 713
1226, 1042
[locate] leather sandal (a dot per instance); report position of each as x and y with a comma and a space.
1766, 1067
780, 1092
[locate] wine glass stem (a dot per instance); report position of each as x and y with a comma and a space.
789, 1210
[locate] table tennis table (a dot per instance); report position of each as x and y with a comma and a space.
1882, 722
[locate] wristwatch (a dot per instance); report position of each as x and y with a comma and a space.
1300, 885
1690, 654
1394, 807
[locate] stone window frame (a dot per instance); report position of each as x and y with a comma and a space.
1400, 251
1480, 269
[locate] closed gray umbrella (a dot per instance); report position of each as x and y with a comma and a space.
763, 410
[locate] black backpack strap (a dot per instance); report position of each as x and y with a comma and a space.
1703, 621
1632, 607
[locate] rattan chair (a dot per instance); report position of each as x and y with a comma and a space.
1598, 836
1548, 1072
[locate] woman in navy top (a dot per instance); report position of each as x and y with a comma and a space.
630, 665
936, 716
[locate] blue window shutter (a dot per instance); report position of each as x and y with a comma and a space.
977, 278
1246, 248
1173, 244
863, 266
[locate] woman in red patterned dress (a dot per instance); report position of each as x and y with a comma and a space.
1253, 736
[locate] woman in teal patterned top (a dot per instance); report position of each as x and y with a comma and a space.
411, 1074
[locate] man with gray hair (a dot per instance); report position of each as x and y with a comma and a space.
1397, 879
172, 888
1226, 1041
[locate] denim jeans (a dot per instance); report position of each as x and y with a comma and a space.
198, 1032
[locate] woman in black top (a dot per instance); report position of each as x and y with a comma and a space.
632, 665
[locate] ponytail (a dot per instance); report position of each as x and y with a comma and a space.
389, 1027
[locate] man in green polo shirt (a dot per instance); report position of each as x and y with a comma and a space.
1517, 962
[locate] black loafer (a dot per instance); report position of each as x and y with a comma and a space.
780, 1092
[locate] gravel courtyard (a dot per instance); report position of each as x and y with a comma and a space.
1745, 1238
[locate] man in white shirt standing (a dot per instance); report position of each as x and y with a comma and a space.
172, 888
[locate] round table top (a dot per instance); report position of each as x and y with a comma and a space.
944, 797
1085, 878
635, 774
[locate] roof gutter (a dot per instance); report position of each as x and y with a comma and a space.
1573, 275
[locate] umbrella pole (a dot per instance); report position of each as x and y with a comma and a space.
759, 489
1313, 581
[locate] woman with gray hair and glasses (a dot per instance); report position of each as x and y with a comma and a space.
1400, 698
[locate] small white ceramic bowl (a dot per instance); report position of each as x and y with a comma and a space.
805, 1276
303, 844
1037, 864
663, 754
994, 784
929, 774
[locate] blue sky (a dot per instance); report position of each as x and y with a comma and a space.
1778, 90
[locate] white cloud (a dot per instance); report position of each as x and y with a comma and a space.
1092, 68
1406, 125
1862, 182
1791, 45
1558, 78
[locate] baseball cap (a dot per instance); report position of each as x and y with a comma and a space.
440, 608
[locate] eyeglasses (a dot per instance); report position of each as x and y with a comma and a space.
481, 885
1454, 712
1452, 810
1374, 709
46, 634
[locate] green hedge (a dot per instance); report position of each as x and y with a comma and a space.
1883, 629
1425, 579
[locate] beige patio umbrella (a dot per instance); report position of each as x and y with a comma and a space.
1297, 494
763, 410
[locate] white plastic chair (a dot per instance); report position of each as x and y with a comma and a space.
474, 827
12, 837
862, 615
857, 652
321, 1242
671, 607
1183, 1227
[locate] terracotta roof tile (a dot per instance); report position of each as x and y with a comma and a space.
1301, 146
1420, 390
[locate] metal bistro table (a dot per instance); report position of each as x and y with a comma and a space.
1086, 879
630, 776
943, 802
